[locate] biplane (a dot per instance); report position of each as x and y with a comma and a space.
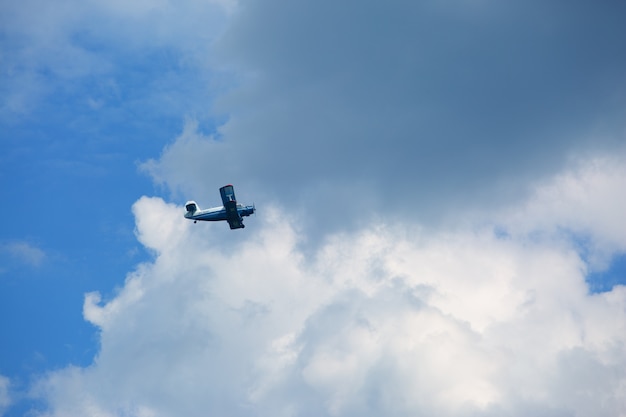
231, 211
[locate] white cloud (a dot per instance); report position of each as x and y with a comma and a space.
5, 397
78, 50
583, 202
25, 252
389, 320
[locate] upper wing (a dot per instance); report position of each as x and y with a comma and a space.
228, 194
230, 205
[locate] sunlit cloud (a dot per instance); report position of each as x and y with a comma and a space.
387, 320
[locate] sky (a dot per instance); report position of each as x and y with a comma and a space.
440, 189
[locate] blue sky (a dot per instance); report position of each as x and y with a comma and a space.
439, 189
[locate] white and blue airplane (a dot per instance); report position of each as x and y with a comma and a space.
231, 211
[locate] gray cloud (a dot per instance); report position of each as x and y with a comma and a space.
412, 109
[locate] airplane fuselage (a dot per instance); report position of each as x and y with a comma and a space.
215, 214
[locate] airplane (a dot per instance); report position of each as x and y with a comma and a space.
231, 211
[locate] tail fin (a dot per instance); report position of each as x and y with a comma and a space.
191, 207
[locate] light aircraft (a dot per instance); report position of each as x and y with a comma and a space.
231, 211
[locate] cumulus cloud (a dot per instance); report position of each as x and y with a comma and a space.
388, 320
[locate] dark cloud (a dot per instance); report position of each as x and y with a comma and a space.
415, 108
